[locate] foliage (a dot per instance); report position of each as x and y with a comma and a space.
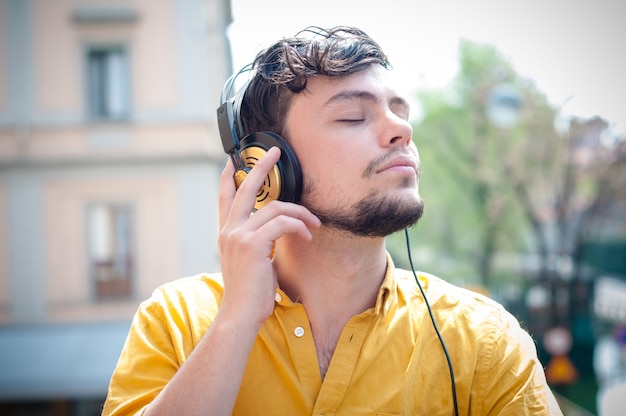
502, 184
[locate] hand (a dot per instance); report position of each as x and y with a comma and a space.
246, 241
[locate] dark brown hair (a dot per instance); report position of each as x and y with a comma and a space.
282, 70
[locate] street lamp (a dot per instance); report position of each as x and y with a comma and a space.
504, 104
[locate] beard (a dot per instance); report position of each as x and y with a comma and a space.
373, 216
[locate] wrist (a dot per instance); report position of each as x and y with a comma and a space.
238, 319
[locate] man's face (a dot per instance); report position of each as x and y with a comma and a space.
353, 141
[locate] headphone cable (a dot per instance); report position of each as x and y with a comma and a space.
432, 319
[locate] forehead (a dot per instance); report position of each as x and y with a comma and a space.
374, 83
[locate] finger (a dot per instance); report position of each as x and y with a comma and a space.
266, 226
284, 224
277, 209
245, 197
227, 192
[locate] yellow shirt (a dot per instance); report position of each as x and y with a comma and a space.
388, 360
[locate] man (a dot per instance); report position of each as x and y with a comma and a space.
309, 314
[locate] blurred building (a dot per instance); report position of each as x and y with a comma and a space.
109, 171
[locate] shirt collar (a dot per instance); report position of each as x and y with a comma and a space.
387, 294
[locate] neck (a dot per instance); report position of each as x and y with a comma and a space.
333, 271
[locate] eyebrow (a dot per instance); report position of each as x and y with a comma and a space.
350, 95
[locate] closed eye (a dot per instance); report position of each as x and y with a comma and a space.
351, 120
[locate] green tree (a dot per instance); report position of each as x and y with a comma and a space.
499, 176
506, 177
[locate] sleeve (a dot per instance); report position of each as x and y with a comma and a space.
149, 359
512, 380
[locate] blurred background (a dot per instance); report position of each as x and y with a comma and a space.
110, 163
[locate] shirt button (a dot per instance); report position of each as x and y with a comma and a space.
299, 331
278, 297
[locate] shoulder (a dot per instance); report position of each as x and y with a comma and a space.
461, 310
484, 339
191, 285
442, 293
193, 295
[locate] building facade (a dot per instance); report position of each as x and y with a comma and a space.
109, 175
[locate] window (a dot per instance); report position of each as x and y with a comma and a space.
109, 226
108, 83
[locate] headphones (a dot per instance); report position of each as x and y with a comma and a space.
284, 181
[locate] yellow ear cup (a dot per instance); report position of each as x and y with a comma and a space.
272, 185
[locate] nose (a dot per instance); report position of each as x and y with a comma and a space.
397, 132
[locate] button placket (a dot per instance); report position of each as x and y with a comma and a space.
294, 322
342, 365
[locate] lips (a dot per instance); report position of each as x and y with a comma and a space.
403, 162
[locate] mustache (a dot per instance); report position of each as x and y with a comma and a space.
374, 164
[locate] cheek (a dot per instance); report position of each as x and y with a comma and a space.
325, 179
332, 166
320, 172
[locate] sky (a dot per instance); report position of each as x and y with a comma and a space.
574, 50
